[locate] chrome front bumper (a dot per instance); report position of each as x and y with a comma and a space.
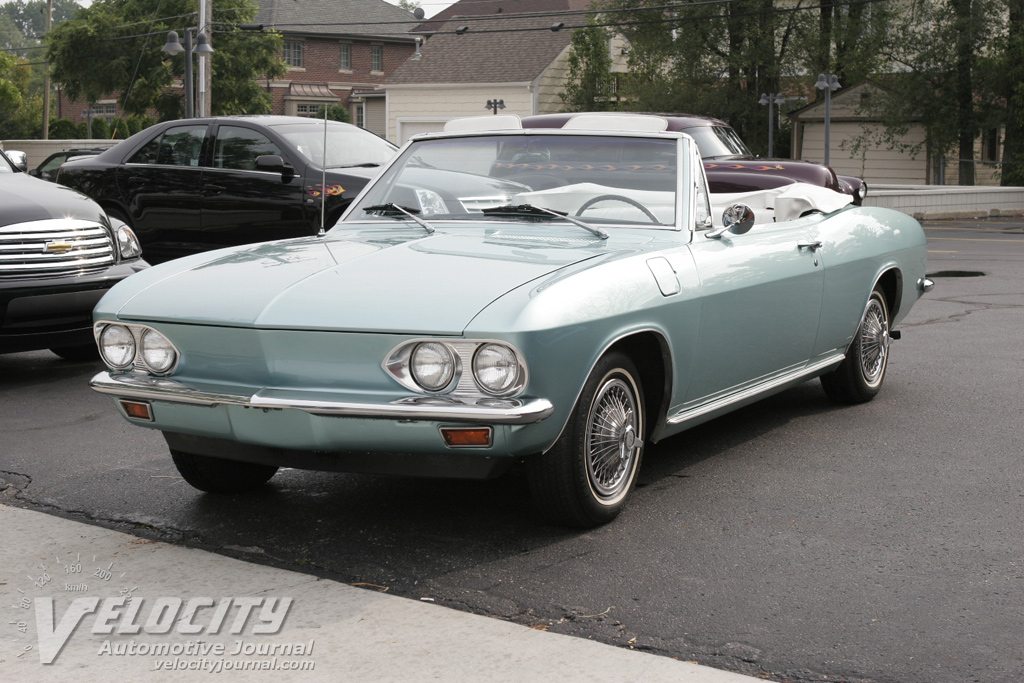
425, 408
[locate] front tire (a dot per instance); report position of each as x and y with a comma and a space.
586, 477
858, 379
217, 475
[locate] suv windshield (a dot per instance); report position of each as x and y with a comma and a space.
346, 145
605, 179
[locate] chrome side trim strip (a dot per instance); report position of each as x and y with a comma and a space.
434, 409
753, 391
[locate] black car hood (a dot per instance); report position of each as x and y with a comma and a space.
24, 199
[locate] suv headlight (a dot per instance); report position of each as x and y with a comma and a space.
127, 243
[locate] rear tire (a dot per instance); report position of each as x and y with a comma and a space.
858, 379
217, 475
586, 477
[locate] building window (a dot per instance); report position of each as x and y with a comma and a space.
361, 115
345, 54
376, 58
307, 109
106, 111
293, 52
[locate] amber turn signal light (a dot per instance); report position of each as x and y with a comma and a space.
467, 437
137, 410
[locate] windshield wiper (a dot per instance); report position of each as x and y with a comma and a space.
393, 210
368, 164
540, 211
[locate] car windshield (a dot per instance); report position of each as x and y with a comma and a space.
718, 141
5, 166
346, 145
598, 179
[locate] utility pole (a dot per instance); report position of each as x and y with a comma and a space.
46, 76
205, 65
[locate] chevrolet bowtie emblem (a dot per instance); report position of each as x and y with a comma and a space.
56, 247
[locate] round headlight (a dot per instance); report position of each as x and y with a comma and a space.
495, 368
117, 345
432, 365
157, 352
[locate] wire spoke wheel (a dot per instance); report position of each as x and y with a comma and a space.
585, 478
859, 377
874, 342
611, 441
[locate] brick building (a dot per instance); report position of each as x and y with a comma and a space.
336, 52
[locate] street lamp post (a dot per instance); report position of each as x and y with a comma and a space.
495, 105
771, 99
173, 46
829, 83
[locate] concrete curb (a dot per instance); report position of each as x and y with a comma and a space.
345, 633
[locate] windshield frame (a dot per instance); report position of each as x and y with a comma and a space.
683, 202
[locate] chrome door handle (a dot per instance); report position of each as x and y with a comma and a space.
813, 246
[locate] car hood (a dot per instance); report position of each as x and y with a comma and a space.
380, 281
25, 199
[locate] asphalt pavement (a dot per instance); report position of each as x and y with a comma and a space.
83, 603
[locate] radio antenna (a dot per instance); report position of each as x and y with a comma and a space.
323, 181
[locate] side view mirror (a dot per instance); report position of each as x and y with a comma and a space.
19, 159
738, 219
274, 163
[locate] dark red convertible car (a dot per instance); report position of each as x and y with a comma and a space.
729, 165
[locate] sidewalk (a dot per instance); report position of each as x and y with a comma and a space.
180, 613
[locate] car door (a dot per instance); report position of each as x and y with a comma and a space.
161, 186
243, 204
761, 296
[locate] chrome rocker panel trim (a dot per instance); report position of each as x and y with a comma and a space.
756, 392
434, 409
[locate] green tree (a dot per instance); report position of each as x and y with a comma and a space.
335, 112
589, 85
717, 59
126, 36
936, 76
63, 129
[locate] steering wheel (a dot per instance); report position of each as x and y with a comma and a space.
619, 198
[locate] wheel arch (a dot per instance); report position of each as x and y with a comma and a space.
650, 352
891, 284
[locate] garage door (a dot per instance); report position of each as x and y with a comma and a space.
406, 129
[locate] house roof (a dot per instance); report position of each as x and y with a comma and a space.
358, 18
509, 49
481, 8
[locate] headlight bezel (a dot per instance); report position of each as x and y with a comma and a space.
465, 384
139, 363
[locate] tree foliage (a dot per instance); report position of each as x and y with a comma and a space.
717, 59
126, 36
335, 112
589, 83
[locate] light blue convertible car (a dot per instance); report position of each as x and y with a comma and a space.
555, 296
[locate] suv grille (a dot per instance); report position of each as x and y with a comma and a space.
54, 248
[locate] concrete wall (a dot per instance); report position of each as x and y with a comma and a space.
37, 150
